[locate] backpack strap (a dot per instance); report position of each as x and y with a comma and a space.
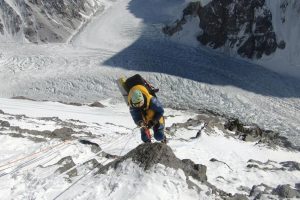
145, 93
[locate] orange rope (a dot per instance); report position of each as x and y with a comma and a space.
30, 155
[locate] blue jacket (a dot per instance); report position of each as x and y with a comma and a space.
154, 112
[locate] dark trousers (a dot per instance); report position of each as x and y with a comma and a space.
158, 130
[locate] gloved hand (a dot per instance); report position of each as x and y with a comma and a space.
142, 124
151, 123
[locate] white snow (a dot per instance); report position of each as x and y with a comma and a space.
124, 40
285, 61
189, 33
33, 176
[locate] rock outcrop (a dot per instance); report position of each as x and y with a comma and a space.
147, 155
252, 133
285, 191
243, 26
44, 21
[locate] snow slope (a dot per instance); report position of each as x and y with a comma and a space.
43, 158
29, 169
45, 21
123, 41
287, 27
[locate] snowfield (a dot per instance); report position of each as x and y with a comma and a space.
51, 150
30, 168
124, 40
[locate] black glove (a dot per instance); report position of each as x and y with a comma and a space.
151, 123
141, 124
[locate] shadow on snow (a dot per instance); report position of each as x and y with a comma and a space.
150, 54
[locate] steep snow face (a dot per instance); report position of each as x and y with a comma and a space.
117, 43
44, 21
286, 23
266, 32
37, 162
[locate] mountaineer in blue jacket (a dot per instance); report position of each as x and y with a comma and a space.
147, 112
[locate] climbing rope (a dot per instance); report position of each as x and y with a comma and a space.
31, 155
74, 183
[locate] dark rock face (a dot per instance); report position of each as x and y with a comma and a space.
91, 164
147, 155
66, 163
1, 27
297, 186
263, 191
13, 21
238, 197
4, 123
285, 191
43, 20
64, 133
243, 25
97, 104
258, 190
94, 146
251, 133
291, 165
266, 166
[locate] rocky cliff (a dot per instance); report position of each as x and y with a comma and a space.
245, 26
254, 29
44, 21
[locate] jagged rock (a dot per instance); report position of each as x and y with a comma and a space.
268, 165
97, 104
285, 191
1, 112
109, 156
149, 154
94, 146
66, 164
281, 45
43, 20
63, 133
244, 189
238, 197
250, 133
16, 135
55, 119
252, 166
256, 161
4, 123
249, 130
291, 165
242, 25
91, 164
258, 190
192, 9
197, 171
1, 28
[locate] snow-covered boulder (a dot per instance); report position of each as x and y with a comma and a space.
147, 155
